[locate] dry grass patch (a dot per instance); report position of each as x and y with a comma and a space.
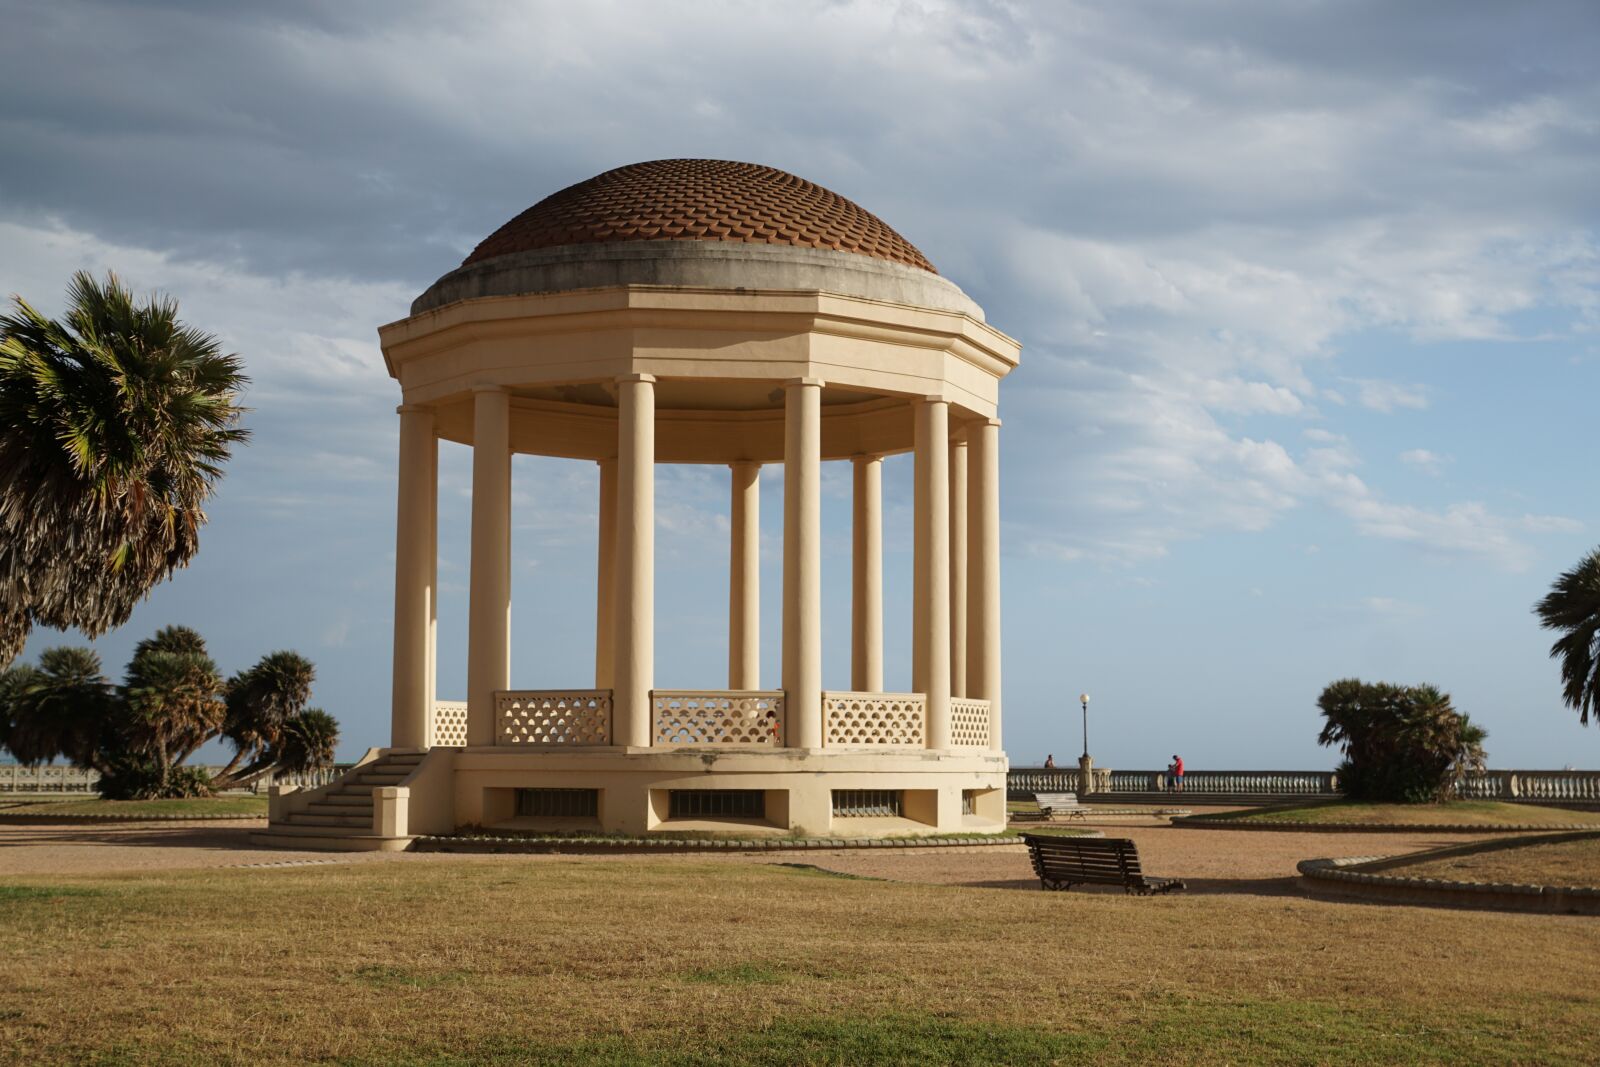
707, 962
1458, 812
1562, 863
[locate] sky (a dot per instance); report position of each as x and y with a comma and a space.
1308, 294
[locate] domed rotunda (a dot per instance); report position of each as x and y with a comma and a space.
709, 312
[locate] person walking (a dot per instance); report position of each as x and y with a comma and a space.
1177, 771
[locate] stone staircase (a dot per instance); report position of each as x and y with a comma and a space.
339, 816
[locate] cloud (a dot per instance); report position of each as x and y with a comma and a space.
1423, 460
1197, 213
1386, 397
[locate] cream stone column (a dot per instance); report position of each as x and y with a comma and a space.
605, 621
958, 564
983, 573
802, 561
414, 586
489, 614
866, 575
636, 560
744, 579
930, 614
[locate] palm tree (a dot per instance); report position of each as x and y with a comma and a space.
115, 423
262, 702
171, 700
306, 742
1573, 607
62, 707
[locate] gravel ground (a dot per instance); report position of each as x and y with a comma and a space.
1211, 861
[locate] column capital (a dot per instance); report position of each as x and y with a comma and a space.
640, 377
958, 437
413, 409
867, 457
745, 464
992, 422
818, 382
932, 398
490, 388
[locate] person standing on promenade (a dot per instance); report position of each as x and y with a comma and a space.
1177, 772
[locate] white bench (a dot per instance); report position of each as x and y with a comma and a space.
1053, 804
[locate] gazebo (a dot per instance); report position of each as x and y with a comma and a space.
705, 312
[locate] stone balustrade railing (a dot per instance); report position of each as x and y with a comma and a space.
1533, 785
1578, 786
571, 718
716, 717
62, 778
895, 720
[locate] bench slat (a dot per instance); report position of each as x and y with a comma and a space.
1062, 862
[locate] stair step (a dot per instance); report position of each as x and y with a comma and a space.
325, 839
309, 818
343, 805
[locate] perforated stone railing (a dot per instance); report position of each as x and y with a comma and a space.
570, 717
878, 719
450, 723
716, 717
969, 723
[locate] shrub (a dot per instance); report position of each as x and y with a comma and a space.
1401, 744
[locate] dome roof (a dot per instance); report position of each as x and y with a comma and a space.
700, 200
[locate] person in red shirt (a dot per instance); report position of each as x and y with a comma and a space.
1177, 772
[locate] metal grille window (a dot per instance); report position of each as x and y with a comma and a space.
717, 804
969, 802
848, 803
559, 803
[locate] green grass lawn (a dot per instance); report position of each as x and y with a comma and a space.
227, 805
693, 962
1474, 812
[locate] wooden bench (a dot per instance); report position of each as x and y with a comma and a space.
1063, 862
1052, 804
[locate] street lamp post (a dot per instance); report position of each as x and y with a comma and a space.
1085, 764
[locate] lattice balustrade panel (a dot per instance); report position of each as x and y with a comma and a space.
969, 723
874, 718
553, 717
450, 723
728, 717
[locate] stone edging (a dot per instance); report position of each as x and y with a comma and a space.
506, 843
1338, 875
1212, 822
40, 818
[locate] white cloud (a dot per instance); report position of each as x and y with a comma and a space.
1386, 397
1423, 460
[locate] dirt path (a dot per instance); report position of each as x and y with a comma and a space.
1211, 861
76, 848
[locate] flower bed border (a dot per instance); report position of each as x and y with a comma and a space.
1214, 822
505, 843
41, 819
1366, 877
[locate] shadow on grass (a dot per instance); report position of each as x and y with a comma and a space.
224, 838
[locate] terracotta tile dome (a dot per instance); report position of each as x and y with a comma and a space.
700, 200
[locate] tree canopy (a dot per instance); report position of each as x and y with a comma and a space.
1404, 744
115, 424
1573, 607
172, 700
